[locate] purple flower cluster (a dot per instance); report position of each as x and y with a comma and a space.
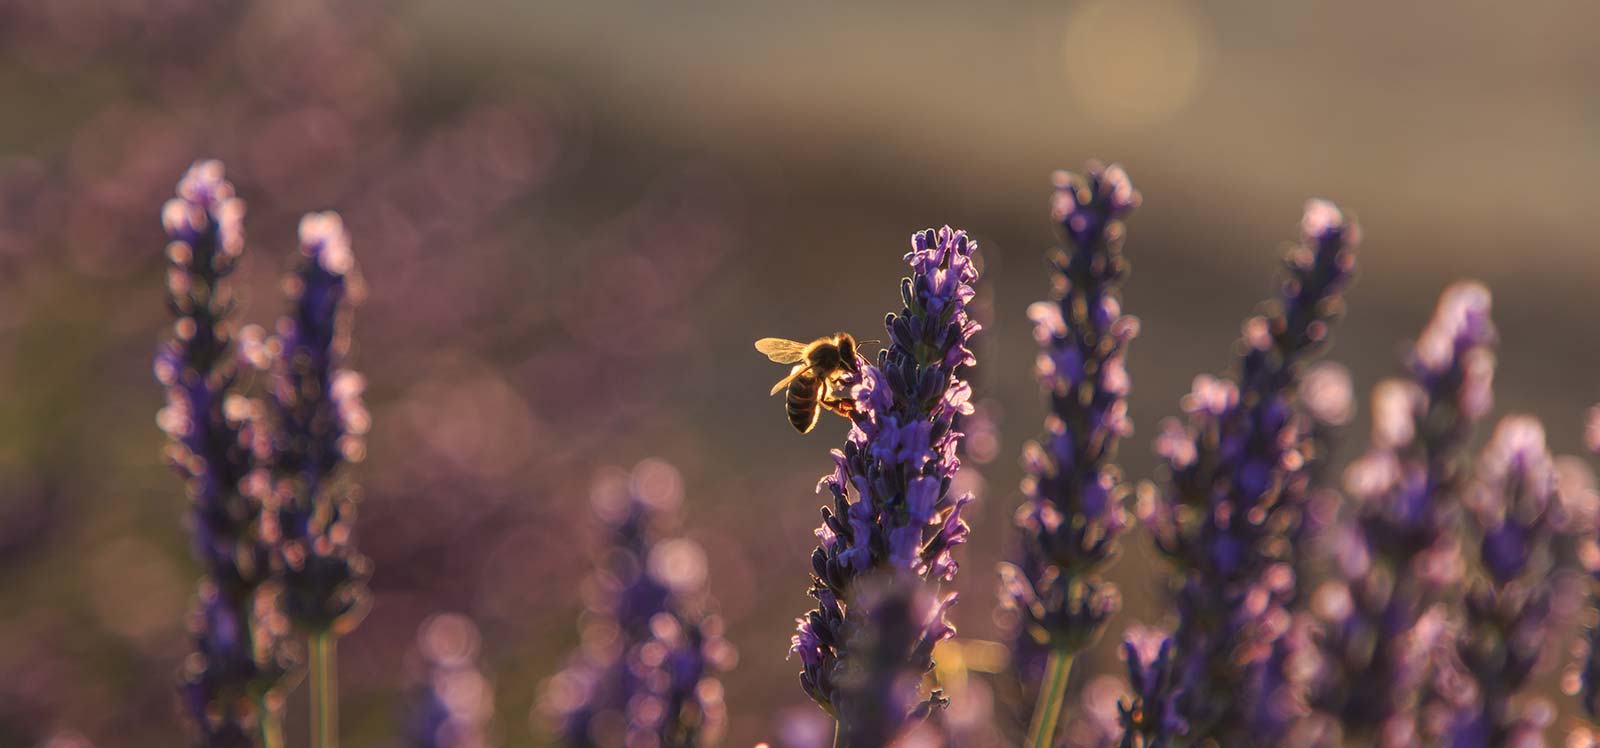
320, 423
892, 515
646, 673
1510, 604
219, 445
1073, 491
1397, 553
451, 702
1236, 487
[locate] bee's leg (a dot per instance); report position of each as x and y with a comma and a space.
842, 407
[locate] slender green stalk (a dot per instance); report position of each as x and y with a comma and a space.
1052, 693
836, 732
270, 727
324, 692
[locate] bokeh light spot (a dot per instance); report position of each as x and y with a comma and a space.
1134, 62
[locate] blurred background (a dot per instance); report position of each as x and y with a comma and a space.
575, 218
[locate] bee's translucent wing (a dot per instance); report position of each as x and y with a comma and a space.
784, 382
782, 351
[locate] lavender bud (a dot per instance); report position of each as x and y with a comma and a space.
646, 673
1073, 491
1237, 488
451, 704
897, 464
321, 423
217, 445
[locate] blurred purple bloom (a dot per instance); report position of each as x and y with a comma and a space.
897, 462
879, 687
217, 445
1397, 553
320, 423
1237, 485
451, 703
1510, 608
646, 673
1073, 490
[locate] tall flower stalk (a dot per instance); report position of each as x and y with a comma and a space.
646, 673
320, 424
233, 682
1235, 487
1397, 554
893, 518
1073, 490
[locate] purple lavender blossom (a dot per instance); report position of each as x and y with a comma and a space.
1073, 490
1152, 718
451, 704
217, 445
1509, 606
321, 421
646, 673
1396, 555
897, 463
1236, 486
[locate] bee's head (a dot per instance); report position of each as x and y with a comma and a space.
847, 352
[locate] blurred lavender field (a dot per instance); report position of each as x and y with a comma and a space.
572, 221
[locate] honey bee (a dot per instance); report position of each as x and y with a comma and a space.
813, 381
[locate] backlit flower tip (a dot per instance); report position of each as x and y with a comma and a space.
1322, 220
324, 240
1459, 338
1326, 393
1152, 714
205, 221
1087, 205
1515, 465
451, 702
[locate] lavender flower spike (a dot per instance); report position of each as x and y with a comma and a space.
1396, 555
321, 423
451, 703
216, 444
646, 673
892, 515
1510, 606
1073, 490
1236, 487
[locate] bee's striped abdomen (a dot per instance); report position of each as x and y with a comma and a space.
801, 402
